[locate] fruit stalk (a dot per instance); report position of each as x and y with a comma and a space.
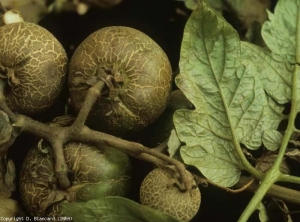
81, 133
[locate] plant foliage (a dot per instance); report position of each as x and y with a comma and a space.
236, 100
114, 209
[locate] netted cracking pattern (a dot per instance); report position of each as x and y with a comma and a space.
94, 173
141, 64
159, 192
35, 65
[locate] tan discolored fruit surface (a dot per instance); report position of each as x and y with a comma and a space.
34, 65
94, 172
159, 192
128, 54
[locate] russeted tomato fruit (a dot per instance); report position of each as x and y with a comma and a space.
159, 190
138, 78
94, 172
33, 64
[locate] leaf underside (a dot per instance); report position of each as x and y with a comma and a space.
279, 32
230, 99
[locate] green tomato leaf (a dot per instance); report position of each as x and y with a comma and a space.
207, 77
231, 106
191, 4
272, 139
274, 73
218, 5
279, 32
114, 209
173, 144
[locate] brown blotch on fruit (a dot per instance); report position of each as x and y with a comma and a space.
34, 64
139, 82
159, 191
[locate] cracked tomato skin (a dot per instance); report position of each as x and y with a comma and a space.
142, 74
34, 65
159, 191
94, 172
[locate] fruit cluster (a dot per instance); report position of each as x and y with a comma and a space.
134, 78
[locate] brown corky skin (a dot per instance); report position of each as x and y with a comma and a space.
38, 61
144, 67
159, 192
94, 173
